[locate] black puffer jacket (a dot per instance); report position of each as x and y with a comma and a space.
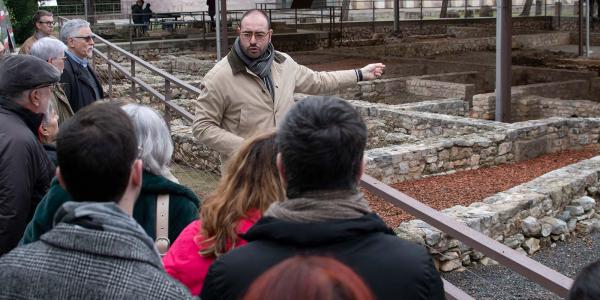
25, 171
393, 268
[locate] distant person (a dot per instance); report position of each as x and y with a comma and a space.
249, 185
156, 150
96, 249
585, 286
250, 91
43, 22
140, 14
309, 278
321, 144
48, 132
80, 82
25, 171
53, 51
212, 9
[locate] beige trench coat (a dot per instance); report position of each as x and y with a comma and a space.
235, 104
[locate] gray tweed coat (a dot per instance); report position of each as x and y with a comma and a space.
74, 262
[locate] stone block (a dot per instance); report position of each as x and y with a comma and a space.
531, 227
451, 265
575, 210
531, 245
524, 150
585, 202
557, 226
514, 241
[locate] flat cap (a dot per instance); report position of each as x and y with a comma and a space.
19, 73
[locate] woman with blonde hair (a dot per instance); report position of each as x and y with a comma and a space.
247, 188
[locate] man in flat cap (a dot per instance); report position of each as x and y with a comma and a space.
26, 84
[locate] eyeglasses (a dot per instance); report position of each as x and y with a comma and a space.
63, 58
48, 23
87, 38
53, 85
259, 36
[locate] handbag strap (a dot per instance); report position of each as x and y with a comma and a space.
162, 241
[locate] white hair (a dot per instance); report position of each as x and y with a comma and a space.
153, 138
49, 114
71, 29
47, 48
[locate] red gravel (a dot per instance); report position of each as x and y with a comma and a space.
466, 187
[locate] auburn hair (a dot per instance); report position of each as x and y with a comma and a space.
309, 278
250, 181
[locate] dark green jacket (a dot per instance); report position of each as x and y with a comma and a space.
183, 208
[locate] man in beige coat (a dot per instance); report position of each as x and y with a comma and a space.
44, 26
250, 90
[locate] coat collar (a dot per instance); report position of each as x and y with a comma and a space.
237, 65
32, 120
314, 234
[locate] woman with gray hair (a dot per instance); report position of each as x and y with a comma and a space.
53, 51
156, 149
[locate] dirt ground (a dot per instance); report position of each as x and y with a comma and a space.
466, 187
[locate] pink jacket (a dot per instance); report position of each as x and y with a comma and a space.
183, 260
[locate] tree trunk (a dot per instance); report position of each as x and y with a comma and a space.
345, 9
444, 9
527, 8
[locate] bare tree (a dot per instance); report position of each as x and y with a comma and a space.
527, 8
444, 10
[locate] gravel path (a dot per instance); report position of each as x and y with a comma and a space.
466, 187
498, 282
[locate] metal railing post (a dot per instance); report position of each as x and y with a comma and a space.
132, 72
321, 19
373, 12
204, 31
167, 99
110, 75
296, 17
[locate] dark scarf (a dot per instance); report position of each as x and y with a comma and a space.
31, 119
260, 66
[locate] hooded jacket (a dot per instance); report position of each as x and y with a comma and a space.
96, 251
391, 267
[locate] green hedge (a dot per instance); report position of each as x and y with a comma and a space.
21, 12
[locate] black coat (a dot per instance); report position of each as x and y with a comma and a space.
78, 90
393, 268
25, 171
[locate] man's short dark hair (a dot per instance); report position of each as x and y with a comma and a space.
256, 11
39, 14
96, 150
585, 286
321, 141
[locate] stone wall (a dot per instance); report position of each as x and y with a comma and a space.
484, 105
527, 217
533, 107
447, 144
452, 107
355, 30
440, 89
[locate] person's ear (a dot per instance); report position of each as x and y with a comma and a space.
280, 167
44, 130
61, 181
136, 172
270, 34
34, 97
361, 170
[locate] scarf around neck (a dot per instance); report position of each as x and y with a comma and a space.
260, 66
320, 206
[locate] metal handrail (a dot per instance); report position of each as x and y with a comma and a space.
522, 264
546, 277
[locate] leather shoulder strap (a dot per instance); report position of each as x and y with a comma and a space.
162, 241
